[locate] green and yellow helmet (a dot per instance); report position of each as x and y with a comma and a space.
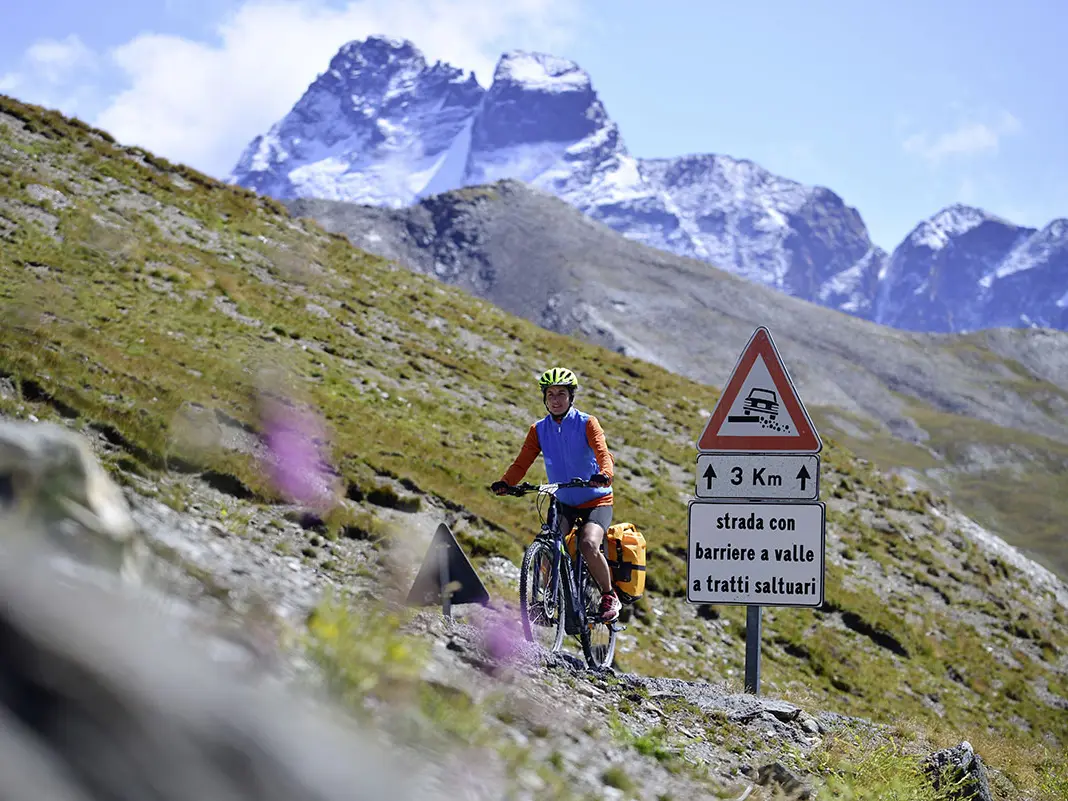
558, 377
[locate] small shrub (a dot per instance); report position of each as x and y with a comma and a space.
615, 776
385, 495
363, 652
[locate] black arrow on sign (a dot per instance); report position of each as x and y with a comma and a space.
711, 474
803, 475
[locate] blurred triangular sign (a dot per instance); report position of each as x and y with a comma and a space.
446, 567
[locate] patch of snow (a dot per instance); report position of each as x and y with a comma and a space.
388, 128
418, 176
624, 181
774, 215
592, 143
269, 147
1034, 250
542, 72
847, 282
521, 162
321, 178
951, 222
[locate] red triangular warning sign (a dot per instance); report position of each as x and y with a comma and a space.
759, 410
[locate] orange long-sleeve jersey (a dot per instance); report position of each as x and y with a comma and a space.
531, 448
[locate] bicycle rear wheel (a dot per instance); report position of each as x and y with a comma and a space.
598, 639
540, 601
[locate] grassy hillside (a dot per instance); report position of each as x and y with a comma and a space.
139, 294
1008, 480
536, 256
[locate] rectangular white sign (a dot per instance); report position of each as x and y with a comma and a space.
759, 554
758, 476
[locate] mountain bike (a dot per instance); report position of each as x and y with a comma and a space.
560, 595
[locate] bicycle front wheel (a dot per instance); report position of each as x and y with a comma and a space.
598, 639
540, 603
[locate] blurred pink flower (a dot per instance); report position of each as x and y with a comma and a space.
296, 443
502, 639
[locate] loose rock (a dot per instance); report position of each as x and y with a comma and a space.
961, 764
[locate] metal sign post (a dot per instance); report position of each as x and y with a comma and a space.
446, 591
752, 649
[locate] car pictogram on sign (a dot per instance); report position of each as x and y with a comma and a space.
761, 401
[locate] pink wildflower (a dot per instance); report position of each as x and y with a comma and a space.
503, 640
296, 441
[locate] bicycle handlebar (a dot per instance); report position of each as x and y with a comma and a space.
526, 486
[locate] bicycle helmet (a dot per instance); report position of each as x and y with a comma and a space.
558, 377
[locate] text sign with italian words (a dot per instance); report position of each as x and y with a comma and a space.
759, 554
758, 476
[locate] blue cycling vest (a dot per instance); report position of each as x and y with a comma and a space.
568, 455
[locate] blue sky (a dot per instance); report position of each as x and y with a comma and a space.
901, 108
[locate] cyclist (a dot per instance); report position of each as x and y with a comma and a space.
572, 445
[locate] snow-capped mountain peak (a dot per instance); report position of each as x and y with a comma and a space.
377, 52
541, 72
399, 137
952, 221
377, 127
383, 127
541, 122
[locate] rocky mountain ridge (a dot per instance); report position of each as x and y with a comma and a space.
535, 256
383, 127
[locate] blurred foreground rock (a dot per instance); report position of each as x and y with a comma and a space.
50, 481
96, 704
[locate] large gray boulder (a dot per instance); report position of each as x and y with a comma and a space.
51, 482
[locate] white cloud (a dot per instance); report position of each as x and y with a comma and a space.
200, 103
54, 72
56, 60
968, 139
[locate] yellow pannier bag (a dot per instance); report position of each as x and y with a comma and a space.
625, 553
626, 556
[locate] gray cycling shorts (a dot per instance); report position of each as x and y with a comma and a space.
568, 516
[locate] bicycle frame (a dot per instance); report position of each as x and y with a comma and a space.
552, 532
573, 578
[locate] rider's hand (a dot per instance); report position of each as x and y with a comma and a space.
500, 487
598, 480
